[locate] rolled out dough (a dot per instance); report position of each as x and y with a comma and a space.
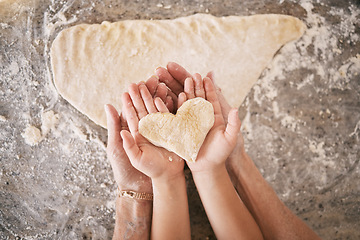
94, 64
183, 133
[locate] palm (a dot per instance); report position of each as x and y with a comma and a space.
214, 149
155, 161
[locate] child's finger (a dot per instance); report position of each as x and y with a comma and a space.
130, 147
181, 99
169, 103
199, 86
130, 113
189, 88
173, 107
233, 127
211, 96
160, 105
147, 99
137, 100
161, 91
152, 84
123, 122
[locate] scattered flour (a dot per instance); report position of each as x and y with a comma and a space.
79, 132
289, 122
49, 120
13, 68
317, 148
356, 130
32, 135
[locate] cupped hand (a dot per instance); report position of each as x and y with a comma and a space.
155, 162
222, 137
174, 76
126, 176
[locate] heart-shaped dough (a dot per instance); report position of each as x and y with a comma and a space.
183, 133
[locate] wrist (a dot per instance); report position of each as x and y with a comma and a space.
169, 185
212, 173
168, 179
142, 185
237, 161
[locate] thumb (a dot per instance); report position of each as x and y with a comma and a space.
131, 148
233, 127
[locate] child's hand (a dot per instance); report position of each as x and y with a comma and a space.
222, 137
155, 162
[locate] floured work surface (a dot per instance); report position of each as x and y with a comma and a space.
93, 64
300, 121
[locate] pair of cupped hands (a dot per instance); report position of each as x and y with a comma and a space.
135, 161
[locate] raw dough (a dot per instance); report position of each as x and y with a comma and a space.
183, 133
94, 64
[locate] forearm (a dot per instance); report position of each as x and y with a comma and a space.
227, 214
170, 212
275, 220
133, 218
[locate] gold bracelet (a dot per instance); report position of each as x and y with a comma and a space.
135, 195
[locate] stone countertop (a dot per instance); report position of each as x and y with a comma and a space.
301, 121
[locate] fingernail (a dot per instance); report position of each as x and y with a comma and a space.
157, 68
155, 76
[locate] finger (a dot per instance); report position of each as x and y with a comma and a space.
152, 84
161, 91
113, 125
225, 106
189, 88
160, 105
130, 147
178, 72
211, 75
130, 113
165, 77
199, 86
169, 103
181, 99
211, 96
233, 127
147, 99
123, 122
174, 101
137, 101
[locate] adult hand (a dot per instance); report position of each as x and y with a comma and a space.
126, 176
160, 90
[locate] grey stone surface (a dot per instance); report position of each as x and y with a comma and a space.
301, 121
